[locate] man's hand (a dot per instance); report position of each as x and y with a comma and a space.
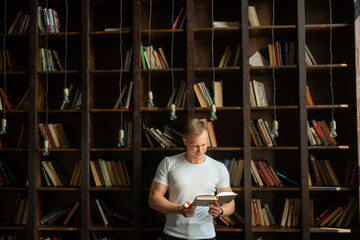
186, 210
214, 209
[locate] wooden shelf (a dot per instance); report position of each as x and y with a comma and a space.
109, 110
273, 107
330, 189
154, 110
344, 147
60, 150
275, 229
336, 106
60, 73
14, 150
109, 72
57, 228
114, 228
10, 188
13, 228
326, 67
207, 109
329, 230
91, 188
60, 188
58, 34
110, 149
280, 189
58, 111
275, 148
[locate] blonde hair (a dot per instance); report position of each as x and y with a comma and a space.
195, 126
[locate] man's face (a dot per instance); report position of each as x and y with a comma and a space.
196, 146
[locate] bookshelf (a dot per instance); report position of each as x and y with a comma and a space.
94, 67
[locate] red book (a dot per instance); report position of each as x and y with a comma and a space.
256, 212
49, 136
318, 130
278, 53
270, 173
261, 174
263, 169
322, 219
162, 65
2, 183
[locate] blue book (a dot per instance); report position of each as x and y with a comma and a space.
227, 163
288, 179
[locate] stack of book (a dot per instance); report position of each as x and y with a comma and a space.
106, 215
260, 133
337, 214
291, 212
235, 168
166, 139
20, 23
64, 213
281, 54
53, 174
48, 20
319, 134
110, 173
50, 60
55, 134
21, 211
264, 174
322, 173
234, 219
9, 176
257, 94
153, 59
74, 98
231, 57
178, 97
261, 214
253, 18
204, 97
123, 100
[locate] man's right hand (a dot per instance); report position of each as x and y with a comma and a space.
186, 210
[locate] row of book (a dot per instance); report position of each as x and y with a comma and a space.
319, 134
257, 94
235, 219
253, 18
235, 168
123, 100
167, 138
20, 23
153, 59
231, 57
261, 214
281, 54
264, 174
106, 215
337, 214
51, 237
322, 173
110, 173
178, 96
205, 98
261, 134
291, 212
9, 175
19, 208
8, 237
74, 98
61, 215
50, 60
48, 20
55, 134
53, 176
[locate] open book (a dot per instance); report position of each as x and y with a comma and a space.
222, 197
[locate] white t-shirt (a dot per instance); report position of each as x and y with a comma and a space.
185, 181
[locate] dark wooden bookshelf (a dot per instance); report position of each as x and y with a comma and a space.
94, 65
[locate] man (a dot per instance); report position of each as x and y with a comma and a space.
186, 176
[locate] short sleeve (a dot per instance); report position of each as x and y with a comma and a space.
162, 172
224, 178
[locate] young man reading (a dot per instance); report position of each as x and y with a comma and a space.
186, 176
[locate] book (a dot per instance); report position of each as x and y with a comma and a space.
257, 60
221, 198
177, 20
226, 24
308, 96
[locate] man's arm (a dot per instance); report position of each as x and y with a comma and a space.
228, 208
158, 202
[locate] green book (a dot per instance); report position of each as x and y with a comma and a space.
46, 177
142, 56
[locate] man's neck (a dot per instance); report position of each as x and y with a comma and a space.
194, 160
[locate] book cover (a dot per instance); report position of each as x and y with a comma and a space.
221, 198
